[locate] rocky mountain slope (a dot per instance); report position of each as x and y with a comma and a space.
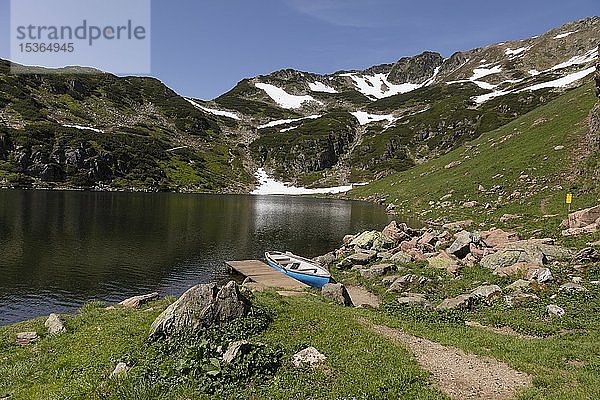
355, 125
316, 130
102, 131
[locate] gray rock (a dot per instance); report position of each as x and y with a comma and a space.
337, 292
325, 260
55, 325
535, 251
461, 245
460, 302
372, 240
587, 255
503, 258
137, 301
518, 285
347, 239
201, 306
486, 293
377, 270
308, 357
572, 288
553, 309
401, 258
541, 275
518, 298
26, 338
417, 301
236, 349
406, 281
361, 258
120, 370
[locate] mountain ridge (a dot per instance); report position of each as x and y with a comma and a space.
302, 127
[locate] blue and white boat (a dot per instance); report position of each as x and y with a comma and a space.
299, 268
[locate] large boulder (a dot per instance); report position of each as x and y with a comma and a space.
414, 300
537, 252
582, 218
201, 306
338, 293
365, 239
498, 237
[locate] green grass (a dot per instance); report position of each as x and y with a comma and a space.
498, 159
77, 365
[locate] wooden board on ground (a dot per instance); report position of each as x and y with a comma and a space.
264, 276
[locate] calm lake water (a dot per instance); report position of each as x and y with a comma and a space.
59, 250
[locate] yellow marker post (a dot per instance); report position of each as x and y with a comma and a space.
569, 201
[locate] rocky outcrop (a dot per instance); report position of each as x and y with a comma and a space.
201, 306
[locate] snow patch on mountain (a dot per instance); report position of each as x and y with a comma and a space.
365, 118
561, 82
321, 87
214, 111
81, 127
564, 35
430, 81
270, 186
378, 86
287, 121
283, 98
556, 83
589, 56
514, 52
480, 72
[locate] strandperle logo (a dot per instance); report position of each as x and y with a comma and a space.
105, 35
85, 31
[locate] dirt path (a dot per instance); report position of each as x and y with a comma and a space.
461, 376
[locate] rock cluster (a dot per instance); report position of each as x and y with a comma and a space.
374, 254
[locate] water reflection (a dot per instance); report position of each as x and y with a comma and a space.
59, 250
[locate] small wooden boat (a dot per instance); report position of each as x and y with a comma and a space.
299, 268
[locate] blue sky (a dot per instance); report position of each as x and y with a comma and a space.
203, 48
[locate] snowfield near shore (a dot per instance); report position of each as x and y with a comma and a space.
270, 186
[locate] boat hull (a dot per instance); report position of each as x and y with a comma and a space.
310, 280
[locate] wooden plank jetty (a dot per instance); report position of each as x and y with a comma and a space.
264, 276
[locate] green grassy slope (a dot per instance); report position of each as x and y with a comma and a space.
519, 167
